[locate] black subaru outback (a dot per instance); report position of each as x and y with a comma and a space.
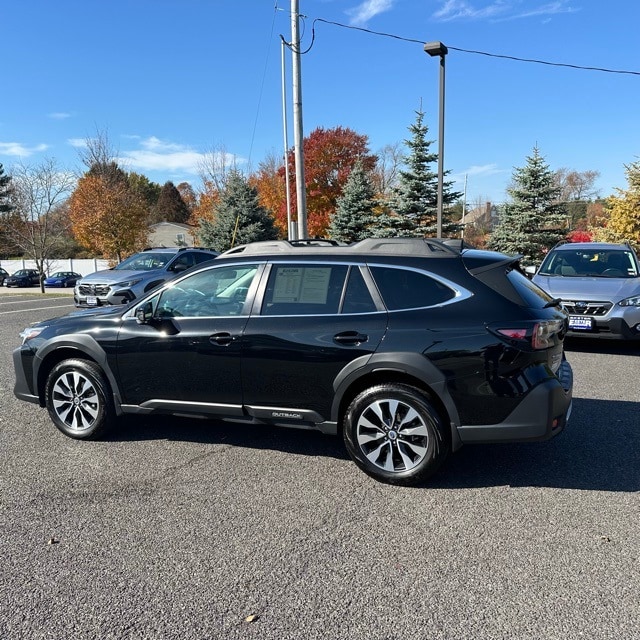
408, 347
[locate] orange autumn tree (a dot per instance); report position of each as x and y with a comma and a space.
107, 216
269, 182
329, 157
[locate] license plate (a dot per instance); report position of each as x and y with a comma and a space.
580, 324
92, 301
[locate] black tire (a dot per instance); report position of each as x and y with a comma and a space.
394, 434
78, 399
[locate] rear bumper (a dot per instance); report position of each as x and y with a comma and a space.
541, 415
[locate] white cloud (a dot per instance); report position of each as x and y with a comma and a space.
155, 154
59, 115
497, 10
368, 9
78, 143
20, 150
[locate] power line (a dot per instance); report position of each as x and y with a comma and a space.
264, 74
471, 51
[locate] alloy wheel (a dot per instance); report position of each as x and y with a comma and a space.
392, 435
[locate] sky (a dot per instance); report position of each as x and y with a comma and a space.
170, 81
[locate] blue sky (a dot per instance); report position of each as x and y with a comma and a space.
171, 80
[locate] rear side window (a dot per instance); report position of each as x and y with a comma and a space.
302, 289
408, 289
357, 298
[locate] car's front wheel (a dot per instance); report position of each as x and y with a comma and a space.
394, 434
78, 400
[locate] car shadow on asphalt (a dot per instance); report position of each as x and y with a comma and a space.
598, 451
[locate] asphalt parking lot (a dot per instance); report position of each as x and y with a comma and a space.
177, 528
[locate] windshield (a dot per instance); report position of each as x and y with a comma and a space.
145, 261
604, 263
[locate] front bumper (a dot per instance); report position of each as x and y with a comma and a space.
614, 328
122, 296
23, 388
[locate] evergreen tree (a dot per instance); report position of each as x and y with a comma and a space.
534, 220
623, 211
149, 191
5, 181
354, 208
415, 199
238, 217
7, 246
170, 206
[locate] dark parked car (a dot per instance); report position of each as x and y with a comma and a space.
23, 278
407, 347
599, 286
137, 275
3, 276
62, 279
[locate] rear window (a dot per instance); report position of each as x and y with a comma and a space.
511, 283
532, 295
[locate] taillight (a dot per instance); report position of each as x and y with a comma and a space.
540, 336
543, 333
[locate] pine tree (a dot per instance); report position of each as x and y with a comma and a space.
5, 181
7, 247
415, 200
534, 220
170, 206
238, 217
623, 210
354, 208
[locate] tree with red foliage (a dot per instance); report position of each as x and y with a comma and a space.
329, 157
580, 236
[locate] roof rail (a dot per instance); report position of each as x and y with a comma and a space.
435, 247
405, 245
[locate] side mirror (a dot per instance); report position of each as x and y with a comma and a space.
530, 271
144, 313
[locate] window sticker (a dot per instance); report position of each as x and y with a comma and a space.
302, 284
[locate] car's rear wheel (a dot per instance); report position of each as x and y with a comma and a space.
394, 434
78, 400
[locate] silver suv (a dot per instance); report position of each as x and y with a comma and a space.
599, 286
136, 275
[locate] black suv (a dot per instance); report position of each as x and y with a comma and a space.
409, 347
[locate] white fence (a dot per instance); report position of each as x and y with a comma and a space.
83, 267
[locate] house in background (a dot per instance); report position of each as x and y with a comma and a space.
482, 216
171, 234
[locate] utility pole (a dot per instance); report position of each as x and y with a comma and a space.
301, 197
291, 232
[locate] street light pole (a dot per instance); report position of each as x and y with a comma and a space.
438, 49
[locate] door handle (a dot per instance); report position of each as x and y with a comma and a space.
350, 337
221, 339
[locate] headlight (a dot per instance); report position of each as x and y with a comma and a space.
31, 332
128, 283
633, 301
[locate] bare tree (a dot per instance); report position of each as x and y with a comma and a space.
100, 158
385, 175
37, 193
576, 185
215, 167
